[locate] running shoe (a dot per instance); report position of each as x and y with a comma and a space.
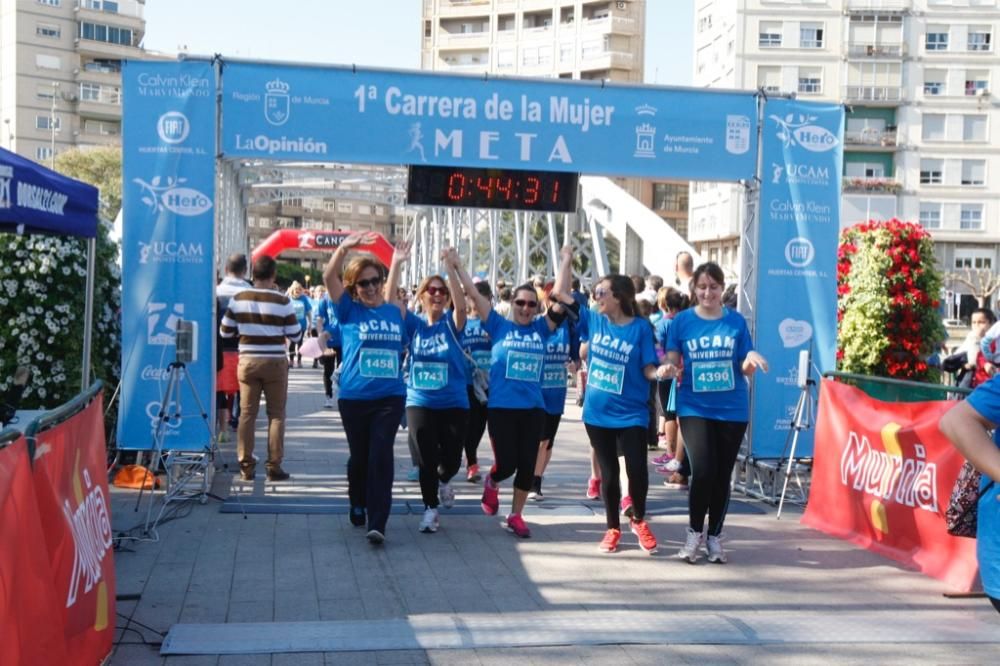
626, 506
640, 528
328, 404
676, 482
536, 490
609, 544
515, 525
673, 465
413, 474
375, 537
430, 523
472, 475
447, 495
662, 469
358, 517
715, 551
662, 460
692, 544
491, 497
593, 489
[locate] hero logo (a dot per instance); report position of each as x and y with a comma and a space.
173, 127
799, 252
800, 131
160, 196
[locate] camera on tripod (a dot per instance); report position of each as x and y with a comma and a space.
186, 341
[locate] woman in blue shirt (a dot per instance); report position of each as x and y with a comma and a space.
516, 414
437, 405
476, 342
303, 313
967, 425
372, 393
713, 402
621, 362
329, 340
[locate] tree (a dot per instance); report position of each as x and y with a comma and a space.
887, 286
42, 291
983, 282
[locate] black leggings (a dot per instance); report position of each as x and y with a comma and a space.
711, 447
631, 442
436, 437
515, 434
475, 429
329, 362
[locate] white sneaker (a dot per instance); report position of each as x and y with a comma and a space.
692, 545
447, 495
328, 404
672, 465
430, 523
714, 548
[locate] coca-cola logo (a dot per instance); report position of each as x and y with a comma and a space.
154, 374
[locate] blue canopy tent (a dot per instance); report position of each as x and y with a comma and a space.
36, 200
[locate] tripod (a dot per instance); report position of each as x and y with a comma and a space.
181, 468
802, 420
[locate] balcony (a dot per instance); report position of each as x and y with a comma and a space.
877, 5
106, 50
867, 50
870, 94
871, 138
461, 8
871, 186
129, 15
620, 25
606, 59
462, 40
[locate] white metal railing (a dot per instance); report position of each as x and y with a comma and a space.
884, 5
866, 49
131, 8
870, 136
100, 95
874, 93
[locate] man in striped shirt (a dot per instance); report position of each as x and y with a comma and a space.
263, 318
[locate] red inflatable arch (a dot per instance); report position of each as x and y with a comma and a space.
303, 239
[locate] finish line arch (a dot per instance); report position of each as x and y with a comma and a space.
190, 125
303, 239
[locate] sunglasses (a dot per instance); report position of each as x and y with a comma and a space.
601, 292
526, 304
370, 282
434, 291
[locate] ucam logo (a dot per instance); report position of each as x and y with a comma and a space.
799, 252
800, 174
185, 201
171, 252
173, 127
800, 131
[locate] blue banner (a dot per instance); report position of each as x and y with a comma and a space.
167, 247
797, 261
384, 117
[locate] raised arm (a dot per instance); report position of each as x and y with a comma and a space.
450, 259
560, 290
399, 257
335, 267
968, 430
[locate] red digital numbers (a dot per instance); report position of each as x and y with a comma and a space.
532, 190
555, 191
485, 185
505, 187
456, 186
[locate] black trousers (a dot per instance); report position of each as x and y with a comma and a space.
515, 434
711, 447
329, 362
631, 442
475, 428
436, 435
370, 426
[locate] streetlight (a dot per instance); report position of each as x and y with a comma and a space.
52, 126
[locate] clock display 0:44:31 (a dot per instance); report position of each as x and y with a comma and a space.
477, 187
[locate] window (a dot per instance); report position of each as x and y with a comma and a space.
770, 34
505, 58
933, 127
973, 172
364, 209
427, 28
45, 61
105, 33
811, 36
667, 196
931, 172
934, 81
101, 5
937, 38
810, 80
344, 207
974, 128
971, 217
43, 153
50, 3
45, 92
769, 78
545, 55
864, 170
930, 215
47, 30
566, 52
979, 39
969, 258
47, 122
976, 82
529, 56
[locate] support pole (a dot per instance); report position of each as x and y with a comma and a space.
88, 313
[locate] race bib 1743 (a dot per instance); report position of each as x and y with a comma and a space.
429, 376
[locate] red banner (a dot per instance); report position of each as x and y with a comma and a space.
71, 486
30, 616
882, 477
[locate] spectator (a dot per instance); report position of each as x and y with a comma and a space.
227, 386
684, 271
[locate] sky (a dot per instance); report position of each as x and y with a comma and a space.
371, 33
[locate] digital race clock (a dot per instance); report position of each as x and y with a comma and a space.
509, 189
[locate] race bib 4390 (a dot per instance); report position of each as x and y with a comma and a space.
710, 376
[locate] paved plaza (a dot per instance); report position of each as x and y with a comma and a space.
268, 573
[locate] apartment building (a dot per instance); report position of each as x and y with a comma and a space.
60, 72
923, 122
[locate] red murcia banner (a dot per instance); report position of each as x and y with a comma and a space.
71, 487
882, 477
30, 616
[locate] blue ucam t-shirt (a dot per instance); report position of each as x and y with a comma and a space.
557, 354
476, 341
327, 312
617, 390
986, 400
437, 378
713, 385
373, 342
518, 354
303, 311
